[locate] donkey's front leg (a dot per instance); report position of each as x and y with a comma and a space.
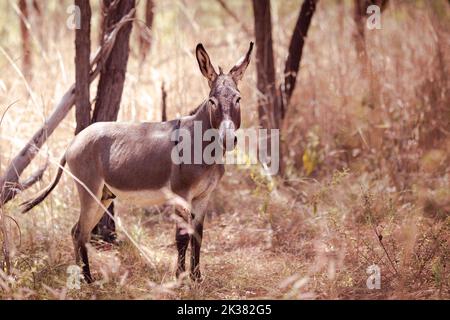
182, 233
198, 217
182, 241
182, 237
196, 243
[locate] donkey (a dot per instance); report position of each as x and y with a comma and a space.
132, 161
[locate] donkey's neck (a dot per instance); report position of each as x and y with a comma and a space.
202, 114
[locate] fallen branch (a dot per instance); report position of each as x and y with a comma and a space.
9, 182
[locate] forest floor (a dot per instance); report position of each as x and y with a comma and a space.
237, 261
284, 244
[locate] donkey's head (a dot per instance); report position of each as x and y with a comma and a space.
224, 97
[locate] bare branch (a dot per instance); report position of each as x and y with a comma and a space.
35, 177
235, 17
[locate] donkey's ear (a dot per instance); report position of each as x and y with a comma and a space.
205, 65
237, 72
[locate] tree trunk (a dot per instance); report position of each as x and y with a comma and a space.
110, 87
112, 76
268, 101
38, 16
101, 29
82, 67
26, 44
296, 49
271, 106
145, 35
37, 7
163, 103
359, 16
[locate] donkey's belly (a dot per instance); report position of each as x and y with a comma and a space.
142, 197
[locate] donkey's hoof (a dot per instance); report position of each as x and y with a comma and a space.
181, 274
196, 276
88, 278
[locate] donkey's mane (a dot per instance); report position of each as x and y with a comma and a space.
194, 111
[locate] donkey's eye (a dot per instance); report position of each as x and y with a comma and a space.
238, 100
213, 103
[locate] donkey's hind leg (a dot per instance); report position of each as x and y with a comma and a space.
105, 229
90, 214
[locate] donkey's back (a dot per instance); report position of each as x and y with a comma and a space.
128, 156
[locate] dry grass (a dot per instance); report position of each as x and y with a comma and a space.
377, 145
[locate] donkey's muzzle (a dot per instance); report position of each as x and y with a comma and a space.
227, 135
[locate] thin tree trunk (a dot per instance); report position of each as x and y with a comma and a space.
292, 64
359, 16
38, 15
26, 44
82, 67
101, 29
359, 37
268, 101
145, 34
269, 96
163, 103
37, 7
112, 76
110, 88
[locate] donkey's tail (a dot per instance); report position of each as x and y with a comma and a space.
28, 205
